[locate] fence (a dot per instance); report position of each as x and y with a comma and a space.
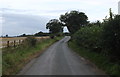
16, 42
13, 43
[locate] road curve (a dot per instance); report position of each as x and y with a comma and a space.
58, 59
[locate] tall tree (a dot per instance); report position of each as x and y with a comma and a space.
111, 14
54, 26
74, 20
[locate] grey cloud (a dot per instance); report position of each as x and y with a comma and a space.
16, 24
15, 10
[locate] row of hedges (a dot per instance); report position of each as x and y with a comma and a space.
111, 38
104, 38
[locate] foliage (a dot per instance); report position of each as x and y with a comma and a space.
66, 34
74, 20
41, 34
30, 41
54, 26
13, 60
111, 16
99, 60
6, 36
103, 37
52, 36
111, 37
24, 35
98, 23
89, 37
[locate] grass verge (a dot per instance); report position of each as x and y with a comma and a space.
102, 62
14, 59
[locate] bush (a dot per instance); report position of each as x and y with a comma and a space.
52, 36
111, 38
30, 41
89, 37
105, 38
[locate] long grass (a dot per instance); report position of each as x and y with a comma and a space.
16, 58
102, 62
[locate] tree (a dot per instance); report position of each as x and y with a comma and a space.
111, 16
111, 37
39, 33
23, 35
74, 20
54, 26
6, 35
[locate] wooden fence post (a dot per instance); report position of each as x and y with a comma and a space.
22, 42
14, 43
19, 41
7, 43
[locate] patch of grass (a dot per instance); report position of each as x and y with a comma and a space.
15, 58
99, 60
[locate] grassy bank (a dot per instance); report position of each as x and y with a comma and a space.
99, 60
15, 59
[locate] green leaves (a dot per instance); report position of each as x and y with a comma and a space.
30, 41
89, 37
104, 38
54, 26
74, 20
111, 36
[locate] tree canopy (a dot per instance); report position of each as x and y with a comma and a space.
54, 26
74, 20
111, 36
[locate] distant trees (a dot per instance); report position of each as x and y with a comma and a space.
41, 34
23, 35
6, 35
74, 20
54, 26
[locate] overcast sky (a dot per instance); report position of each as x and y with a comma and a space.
31, 16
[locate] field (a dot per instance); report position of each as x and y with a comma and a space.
15, 40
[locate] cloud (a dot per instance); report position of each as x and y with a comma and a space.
16, 24
29, 16
54, 8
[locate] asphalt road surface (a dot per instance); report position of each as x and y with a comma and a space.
58, 59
